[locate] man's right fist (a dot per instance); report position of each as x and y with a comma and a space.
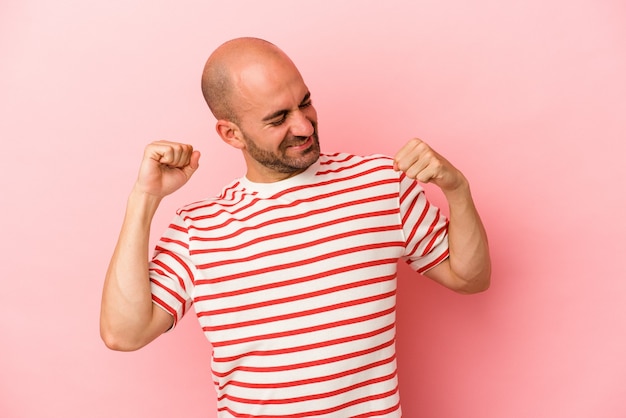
166, 167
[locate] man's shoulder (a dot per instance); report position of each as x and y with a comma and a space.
343, 156
230, 194
348, 159
353, 163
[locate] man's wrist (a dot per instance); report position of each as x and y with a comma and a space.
141, 202
460, 193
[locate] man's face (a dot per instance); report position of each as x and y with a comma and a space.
278, 123
292, 154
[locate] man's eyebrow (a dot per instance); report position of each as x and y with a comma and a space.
281, 112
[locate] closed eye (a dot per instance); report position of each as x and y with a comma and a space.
280, 121
306, 101
272, 120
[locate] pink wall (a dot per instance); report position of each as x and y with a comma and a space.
528, 98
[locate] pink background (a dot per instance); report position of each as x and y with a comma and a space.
527, 98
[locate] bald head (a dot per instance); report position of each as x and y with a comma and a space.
225, 65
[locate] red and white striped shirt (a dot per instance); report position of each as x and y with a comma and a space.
294, 285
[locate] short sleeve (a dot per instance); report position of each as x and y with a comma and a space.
425, 228
172, 272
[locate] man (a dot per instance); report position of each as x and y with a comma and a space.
292, 268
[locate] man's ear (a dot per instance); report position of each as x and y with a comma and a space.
230, 133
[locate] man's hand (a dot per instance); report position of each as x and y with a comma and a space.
166, 167
419, 161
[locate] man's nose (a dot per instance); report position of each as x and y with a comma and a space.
301, 125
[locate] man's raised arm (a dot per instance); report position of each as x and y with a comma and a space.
468, 269
128, 318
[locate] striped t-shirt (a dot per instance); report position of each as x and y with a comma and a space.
294, 285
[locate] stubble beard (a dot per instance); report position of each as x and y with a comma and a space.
280, 161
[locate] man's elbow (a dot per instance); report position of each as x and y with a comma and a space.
474, 285
117, 342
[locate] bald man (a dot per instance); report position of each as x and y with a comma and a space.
292, 268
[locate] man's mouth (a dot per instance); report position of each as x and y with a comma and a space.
301, 145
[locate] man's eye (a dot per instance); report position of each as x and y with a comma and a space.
279, 121
307, 104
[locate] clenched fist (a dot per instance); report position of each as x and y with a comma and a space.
166, 167
419, 161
